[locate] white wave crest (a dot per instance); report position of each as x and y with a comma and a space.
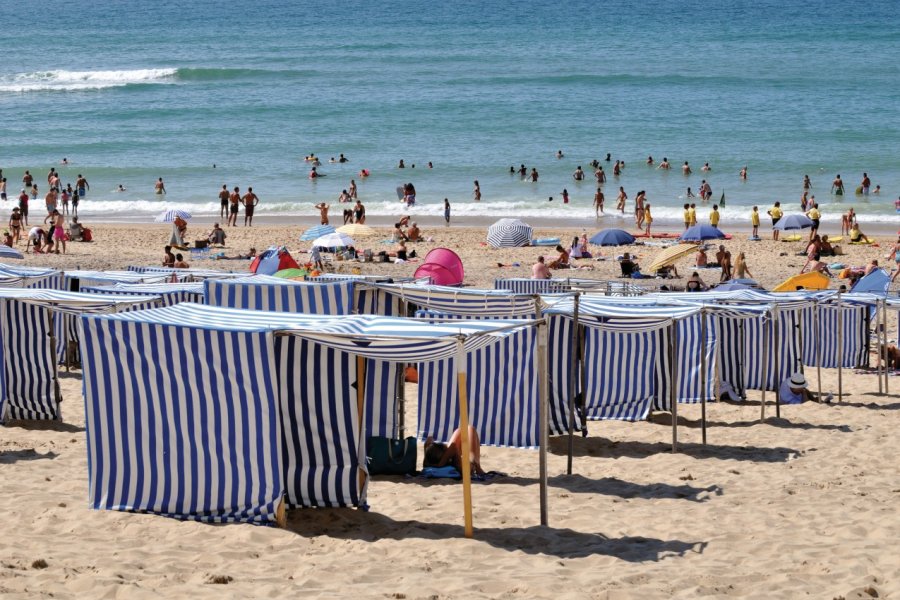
38, 81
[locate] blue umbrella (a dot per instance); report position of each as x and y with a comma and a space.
698, 233
612, 237
316, 232
793, 222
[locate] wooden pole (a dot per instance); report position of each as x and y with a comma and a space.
673, 386
840, 350
703, 374
572, 373
767, 323
464, 458
887, 372
776, 363
57, 393
361, 411
544, 397
878, 348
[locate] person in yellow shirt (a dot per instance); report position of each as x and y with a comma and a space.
754, 220
714, 216
776, 213
648, 218
814, 216
687, 216
693, 214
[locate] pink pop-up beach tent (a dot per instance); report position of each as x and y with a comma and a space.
444, 266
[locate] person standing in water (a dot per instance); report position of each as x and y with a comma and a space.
352, 189
598, 202
223, 200
476, 192
620, 200
234, 201
160, 187
837, 186
447, 211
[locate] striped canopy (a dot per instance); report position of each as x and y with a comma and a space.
170, 215
509, 233
194, 274
7, 252
483, 303
74, 302
316, 232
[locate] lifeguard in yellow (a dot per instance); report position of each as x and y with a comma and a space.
714, 216
693, 214
815, 216
687, 216
648, 218
776, 213
754, 221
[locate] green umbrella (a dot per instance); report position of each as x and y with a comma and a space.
290, 273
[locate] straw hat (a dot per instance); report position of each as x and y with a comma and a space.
798, 381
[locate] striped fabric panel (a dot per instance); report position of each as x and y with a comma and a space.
324, 446
560, 353
786, 332
731, 337
854, 351
688, 347
280, 295
29, 387
622, 370
532, 286
480, 303
181, 421
502, 388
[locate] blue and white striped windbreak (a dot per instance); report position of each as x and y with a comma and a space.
532, 286
189, 274
31, 277
822, 342
502, 386
73, 280
485, 303
261, 292
28, 386
168, 293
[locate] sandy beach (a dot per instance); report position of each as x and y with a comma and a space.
798, 506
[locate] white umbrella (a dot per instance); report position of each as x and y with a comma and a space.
172, 214
509, 233
334, 240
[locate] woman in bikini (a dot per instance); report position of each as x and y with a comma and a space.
15, 225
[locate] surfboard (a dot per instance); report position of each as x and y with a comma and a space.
400, 193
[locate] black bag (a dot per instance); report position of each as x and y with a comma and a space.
391, 457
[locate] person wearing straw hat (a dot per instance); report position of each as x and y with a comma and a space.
795, 390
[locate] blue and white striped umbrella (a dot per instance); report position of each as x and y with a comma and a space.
509, 233
316, 232
172, 214
7, 252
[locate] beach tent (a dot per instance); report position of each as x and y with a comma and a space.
73, 280
267, 432
449, 260
532, 286
28, 367
9, 252
168, 293
272, 261
30, 277
805, 281
568, 284
876, 282
436, 274
612, 237
509, 233
189, 274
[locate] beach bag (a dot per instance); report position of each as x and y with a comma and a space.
86, 235
386, 456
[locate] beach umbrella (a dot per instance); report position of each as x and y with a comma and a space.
172, 214
334, 240
670, 255
612, 237
796, 221
509, 233
876, 282
7, 252
317, 231
698, 233
290, 273
357, 230
807, 281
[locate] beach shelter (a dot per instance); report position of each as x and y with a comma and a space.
670, 255
509, 233
192, 274
315, 232
793, 222
436, 274
30, 277
698, 233
876, 282
275, 434
8, 252
74, 279
612, 237
168, 293
805, 281
28, 367
273, 260
448, 259
170, 215
524, 285
737, 284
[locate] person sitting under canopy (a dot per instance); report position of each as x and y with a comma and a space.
795, 390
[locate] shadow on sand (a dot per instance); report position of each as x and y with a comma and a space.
8, 457
561, 543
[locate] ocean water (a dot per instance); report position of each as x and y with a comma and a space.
237, 93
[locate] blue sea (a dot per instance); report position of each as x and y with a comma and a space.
237, 93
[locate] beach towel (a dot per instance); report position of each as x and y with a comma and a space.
449, 472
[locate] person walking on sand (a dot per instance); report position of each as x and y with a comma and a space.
814, 216
776, 213
847, 220
476, 192
359, 213
250, 200
323, 212
447, 211
837, 186
223, 200
234, 202
754, 221
598, 202
160, 187
687, 216
639, 209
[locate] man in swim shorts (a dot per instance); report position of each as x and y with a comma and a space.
234, 201
223, 198
82, 185
250, 200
